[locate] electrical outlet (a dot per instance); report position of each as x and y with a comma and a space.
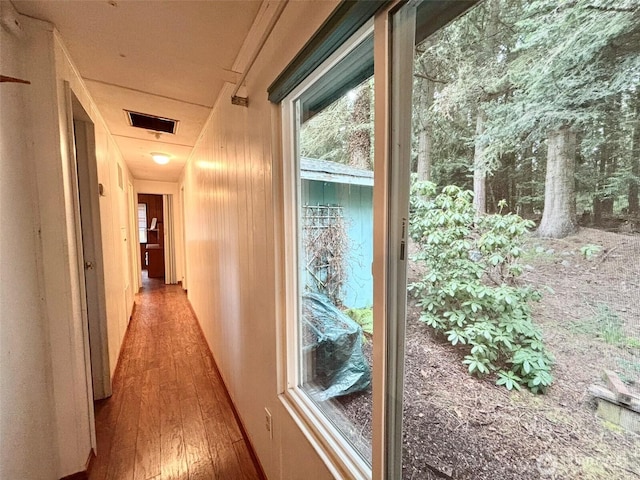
268, 423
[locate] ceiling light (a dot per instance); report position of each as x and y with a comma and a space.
160, 158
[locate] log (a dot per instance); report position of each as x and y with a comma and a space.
606, 394
617, 386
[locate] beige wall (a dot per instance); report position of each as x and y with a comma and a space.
230, 249
45, 398
45, 406
114, 210
27, 425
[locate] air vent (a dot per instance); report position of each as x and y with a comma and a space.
151, 122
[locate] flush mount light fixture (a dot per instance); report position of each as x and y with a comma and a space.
160, 158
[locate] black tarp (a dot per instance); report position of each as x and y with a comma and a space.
333, 343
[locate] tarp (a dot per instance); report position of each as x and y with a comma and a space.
333, 342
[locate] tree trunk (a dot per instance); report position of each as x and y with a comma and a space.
479, 168
558, 216
527, 189
359, 148
598, 197
609, 154
632, 195
425, 141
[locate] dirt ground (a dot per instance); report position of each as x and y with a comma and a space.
461, 427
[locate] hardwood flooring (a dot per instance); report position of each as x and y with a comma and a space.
169, 416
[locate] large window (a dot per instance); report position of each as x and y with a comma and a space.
330, 177
503, 228
522, 324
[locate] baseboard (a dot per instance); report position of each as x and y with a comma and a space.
77, 476
133, 310
243, 431
90, 460
84, 475
116, 369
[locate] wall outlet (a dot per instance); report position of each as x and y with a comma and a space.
268, 423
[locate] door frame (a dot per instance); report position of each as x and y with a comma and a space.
86, 199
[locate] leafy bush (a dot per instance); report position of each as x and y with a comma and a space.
589, 251
470, 292
363, 317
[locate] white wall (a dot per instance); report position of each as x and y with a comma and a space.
45, 398
229, 188
29, 446
114, 207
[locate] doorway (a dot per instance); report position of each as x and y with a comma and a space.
151, 225
89, 239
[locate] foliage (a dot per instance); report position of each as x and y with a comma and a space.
606, 325
628, 370
531, 67
330, 133
363, 317
589, 251
325, 136
470, 292
326, 246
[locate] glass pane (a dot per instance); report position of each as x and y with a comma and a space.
142, 222
335, 245
523, 326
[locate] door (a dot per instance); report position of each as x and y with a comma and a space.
90, 247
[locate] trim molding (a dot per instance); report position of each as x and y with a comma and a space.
243, 431
77, 476
346, 19
83, 475
90, 461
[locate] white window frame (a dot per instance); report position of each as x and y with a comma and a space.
340, 457
392, 67
142, 231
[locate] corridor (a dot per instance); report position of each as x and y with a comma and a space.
169, 416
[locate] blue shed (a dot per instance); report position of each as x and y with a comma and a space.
333, 184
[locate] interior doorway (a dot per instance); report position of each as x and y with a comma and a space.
89, 239
151, 226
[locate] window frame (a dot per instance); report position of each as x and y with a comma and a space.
390, 221
140, 228
338, 454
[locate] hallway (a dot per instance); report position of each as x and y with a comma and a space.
169, 416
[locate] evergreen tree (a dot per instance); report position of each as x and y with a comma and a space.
572, 59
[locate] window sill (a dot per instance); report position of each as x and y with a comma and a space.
340, 458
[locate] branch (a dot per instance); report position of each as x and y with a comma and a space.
431, 79
604, 257
611, 9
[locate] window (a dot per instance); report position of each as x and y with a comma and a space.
518, 346
326, 182
142, 222
330, 250
506, 354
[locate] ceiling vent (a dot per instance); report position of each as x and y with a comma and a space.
151, 122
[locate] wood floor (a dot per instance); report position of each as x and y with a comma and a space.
169, 416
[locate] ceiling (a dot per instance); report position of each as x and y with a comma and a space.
164, 58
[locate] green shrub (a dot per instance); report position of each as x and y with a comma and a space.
589, 251
470, 292
363, 317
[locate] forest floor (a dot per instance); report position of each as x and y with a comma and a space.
461, 427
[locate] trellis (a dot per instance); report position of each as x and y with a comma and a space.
325, 247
